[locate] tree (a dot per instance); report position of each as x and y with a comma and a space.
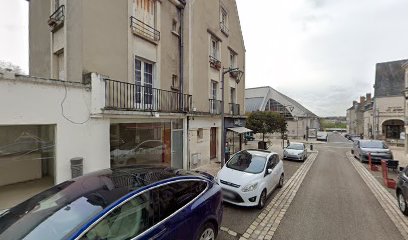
8, 65
266, 122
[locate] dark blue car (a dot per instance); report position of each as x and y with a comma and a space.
122, 203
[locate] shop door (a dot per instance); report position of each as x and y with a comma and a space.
213, 143
177, 149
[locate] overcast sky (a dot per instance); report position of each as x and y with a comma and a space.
321, 53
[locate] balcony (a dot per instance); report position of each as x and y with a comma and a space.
143, 30
234, 109
224, 29
215, 106
56, 20
214, 62
131, 97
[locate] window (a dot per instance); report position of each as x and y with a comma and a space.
174, 82
145, 11
233, 59
214, 48
233, 95
224, 21
143, 82
213, 89
127, 221
174, 26
200, 134
60, 66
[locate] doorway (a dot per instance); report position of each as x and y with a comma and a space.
213, 143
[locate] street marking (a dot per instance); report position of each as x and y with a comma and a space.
267, 222
386, 200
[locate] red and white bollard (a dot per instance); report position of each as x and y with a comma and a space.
371, 166
390, 183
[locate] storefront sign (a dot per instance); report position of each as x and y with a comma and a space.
395, 109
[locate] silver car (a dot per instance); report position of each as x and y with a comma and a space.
378, 150
295, 151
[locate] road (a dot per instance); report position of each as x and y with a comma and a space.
334, 203
238, 219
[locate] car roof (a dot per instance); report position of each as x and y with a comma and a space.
371, 140
260, 152
295, 143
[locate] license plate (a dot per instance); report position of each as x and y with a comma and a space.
228, 194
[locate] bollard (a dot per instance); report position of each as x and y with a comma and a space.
311, 147
371, 166
77, 167
390, 183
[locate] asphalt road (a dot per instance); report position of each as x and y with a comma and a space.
334, 203
239, 219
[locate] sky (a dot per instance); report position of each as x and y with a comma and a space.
322, 53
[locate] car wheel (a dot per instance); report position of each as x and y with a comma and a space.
207, 232
262, 199
281, 181
402, 203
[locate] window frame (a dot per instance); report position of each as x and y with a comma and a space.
146, 96
214, 51
198, 179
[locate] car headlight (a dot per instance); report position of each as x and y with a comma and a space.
284, 152
250, 187
300, 154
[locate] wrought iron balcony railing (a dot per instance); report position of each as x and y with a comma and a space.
224, 28
144, 30
56, 19
215, 106
214, 62
234, 109
132, 97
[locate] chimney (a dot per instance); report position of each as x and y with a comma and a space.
362, 99
368, 97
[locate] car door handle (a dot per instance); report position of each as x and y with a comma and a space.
159, 234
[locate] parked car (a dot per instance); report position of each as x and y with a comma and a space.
122, 203
322, 136
296, 151
402, 191
378, 150
147, 151
24, 145
250, 176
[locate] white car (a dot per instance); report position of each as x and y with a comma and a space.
295, 151
322, 136
250, 176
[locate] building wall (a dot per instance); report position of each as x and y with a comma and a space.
203, 18
201, 148
387, 108
368, 124
41, 105
39, 38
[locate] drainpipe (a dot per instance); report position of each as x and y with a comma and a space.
181, 51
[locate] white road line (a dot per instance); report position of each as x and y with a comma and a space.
388, 202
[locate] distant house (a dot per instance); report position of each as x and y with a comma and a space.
388, 107
298, 117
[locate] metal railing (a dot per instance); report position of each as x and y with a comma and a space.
144, 30
234, 109
57, 17
224, 28
215, 106
132, 97
214, 62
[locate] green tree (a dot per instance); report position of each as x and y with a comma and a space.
266, 122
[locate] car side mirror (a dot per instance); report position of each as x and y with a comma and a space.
269, 171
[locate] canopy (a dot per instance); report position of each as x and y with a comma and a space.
240, 130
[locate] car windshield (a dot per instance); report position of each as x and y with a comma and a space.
246, 162
372, 144
60, 210
295, 146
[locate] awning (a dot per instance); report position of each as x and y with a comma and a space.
240, 130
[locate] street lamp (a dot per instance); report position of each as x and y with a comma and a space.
238, 77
